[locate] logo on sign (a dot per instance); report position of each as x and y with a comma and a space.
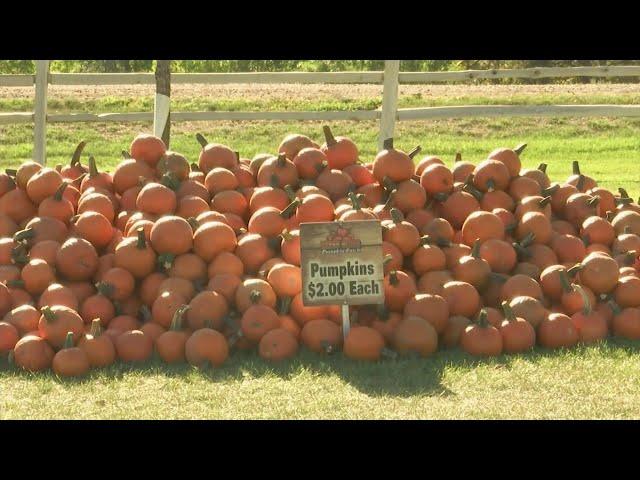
340, 239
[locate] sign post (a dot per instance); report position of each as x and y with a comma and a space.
342, 265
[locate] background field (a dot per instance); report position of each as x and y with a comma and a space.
594, 382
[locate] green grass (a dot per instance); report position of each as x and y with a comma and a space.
587, 382
599, 382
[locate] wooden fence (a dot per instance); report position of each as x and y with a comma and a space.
387, 115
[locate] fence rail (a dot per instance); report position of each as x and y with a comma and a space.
388, 114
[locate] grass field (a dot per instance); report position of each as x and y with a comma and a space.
602, 381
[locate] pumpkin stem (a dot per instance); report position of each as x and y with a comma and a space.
255, 296
593, 202
396, 215
580, 184
96, 328
426, 240
475, 250
575, 167
201, 140
195, 167
491, 185
165, 261
126, 155
389, 184
522, 252
274, 181
387, 258
441, 197
290, 209
623, 192
19, 255
387, 144
469, 188
354, 201
176, 321
573, 271
416, 150
545, 201
76, 182
511, 227
564, 281
68, 341
528, 239
550, 190
288, 189
328, 136
144, 313
458, 157
508, 312
105, 289
60, 190
93, 168
623, 201
142, 239
282, 160
25, 234
614, 307
285, 305
393, 278
610, 216
482, 320
543, 167
520, 148
274, 243
586, 303
75, 158
170, 181
12, 172
48, 314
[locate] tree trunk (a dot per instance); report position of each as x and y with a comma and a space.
163, 87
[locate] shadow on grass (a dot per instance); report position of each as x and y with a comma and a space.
401, 377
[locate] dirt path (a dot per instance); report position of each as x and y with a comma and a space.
322, 91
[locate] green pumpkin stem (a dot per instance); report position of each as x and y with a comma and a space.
195, 167
564, 281
491, 185
93, 168
285, 305
290, 209
201, 140
580, 184
545, 201
617, 310
416, 150
328, 136
396, 215
25, 234
75, 158
12, 172
482, 319
475, 250
125, 155
68, 341
96, 328
543, 167
142, 239
48, 314
458, 157
520, 148
387, 144
255, 296
355, 203
623, 192
550, 190
60, 191
178, 316
573, 271
575, 167
288, 189
508, 312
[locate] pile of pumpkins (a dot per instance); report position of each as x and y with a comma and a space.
194, 260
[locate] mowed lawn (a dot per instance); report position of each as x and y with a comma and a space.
601, 381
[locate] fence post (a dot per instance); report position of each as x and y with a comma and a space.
162, 105
40, 112
389, 100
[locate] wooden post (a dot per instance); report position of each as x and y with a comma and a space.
389, 101
162, 106
346, 323
40, 112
